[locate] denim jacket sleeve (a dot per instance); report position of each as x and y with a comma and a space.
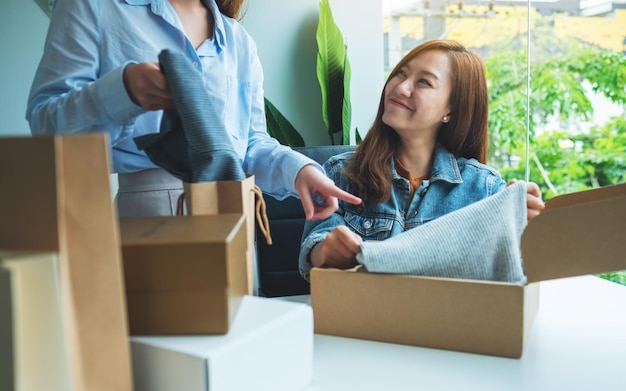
316, 230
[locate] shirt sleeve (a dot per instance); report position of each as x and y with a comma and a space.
274, 166
68, 94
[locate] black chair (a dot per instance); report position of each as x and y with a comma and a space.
277, 265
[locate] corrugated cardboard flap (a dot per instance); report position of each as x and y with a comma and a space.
577, 234
465, 315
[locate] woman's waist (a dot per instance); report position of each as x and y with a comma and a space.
148, 180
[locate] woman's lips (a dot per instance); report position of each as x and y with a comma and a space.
400, 104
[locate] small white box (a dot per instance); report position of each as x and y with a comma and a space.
268, 347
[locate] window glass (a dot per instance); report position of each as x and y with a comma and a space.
557, 83
556, 73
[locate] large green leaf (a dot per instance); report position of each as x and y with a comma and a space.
331, 65
357, 136
346, 113
280, 128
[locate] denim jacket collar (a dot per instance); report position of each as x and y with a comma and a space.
445, 167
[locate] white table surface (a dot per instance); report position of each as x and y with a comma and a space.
577, 342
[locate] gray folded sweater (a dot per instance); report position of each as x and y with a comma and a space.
479, 242
192, 144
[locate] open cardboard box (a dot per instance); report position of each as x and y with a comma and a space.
184, 274
579, 233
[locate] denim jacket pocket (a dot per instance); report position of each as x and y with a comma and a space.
368, 227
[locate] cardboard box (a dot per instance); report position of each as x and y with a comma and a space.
577, 234
269, 347
184, 274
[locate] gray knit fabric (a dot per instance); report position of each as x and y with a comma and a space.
193, 144
478, 242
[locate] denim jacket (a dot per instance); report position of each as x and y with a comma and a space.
454, 183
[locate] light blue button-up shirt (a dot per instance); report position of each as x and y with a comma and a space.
79, 84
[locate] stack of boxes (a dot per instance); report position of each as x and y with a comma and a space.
176, 288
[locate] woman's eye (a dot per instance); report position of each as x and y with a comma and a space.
424, 81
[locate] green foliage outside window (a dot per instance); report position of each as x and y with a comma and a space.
557, 91
561, 161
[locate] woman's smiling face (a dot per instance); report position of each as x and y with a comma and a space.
417, 96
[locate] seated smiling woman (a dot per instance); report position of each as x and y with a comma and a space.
423, 157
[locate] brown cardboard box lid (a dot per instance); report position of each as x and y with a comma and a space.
178, 229
577, 234
178, 251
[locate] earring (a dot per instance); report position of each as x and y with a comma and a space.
445, 118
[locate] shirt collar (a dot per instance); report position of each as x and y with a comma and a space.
142, 2
220, 38
158, 7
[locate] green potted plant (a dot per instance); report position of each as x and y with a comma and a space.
333, 74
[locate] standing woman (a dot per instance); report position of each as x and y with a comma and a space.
423, 157
100, 72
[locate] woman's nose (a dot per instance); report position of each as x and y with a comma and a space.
405, 88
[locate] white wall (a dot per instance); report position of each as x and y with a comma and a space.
285, 35
23, 27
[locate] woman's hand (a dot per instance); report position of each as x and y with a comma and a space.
534, 203
312, 183
338, 249
147, 87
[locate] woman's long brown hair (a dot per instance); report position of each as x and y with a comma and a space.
464, 136
230, 8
